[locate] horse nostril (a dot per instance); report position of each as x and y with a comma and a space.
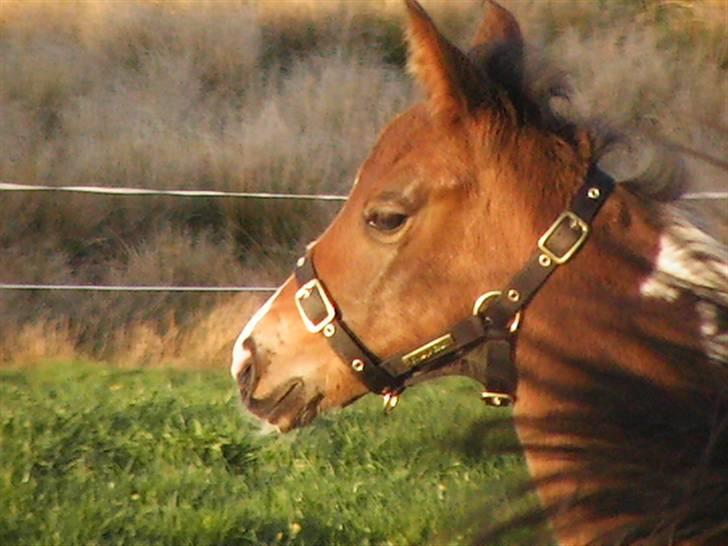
245, 375
249, 345
246, 379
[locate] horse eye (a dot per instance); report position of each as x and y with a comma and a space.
388, 220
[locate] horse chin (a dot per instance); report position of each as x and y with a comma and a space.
292, 405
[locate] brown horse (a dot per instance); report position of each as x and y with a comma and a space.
605, 328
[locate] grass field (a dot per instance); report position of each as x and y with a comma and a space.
265, 96
93, 455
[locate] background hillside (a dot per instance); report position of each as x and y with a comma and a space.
268, 96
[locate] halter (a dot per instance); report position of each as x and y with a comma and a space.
493, 324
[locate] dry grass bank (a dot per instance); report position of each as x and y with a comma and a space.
284, 96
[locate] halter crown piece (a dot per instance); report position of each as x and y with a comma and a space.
494, 323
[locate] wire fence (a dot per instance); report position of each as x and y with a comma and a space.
134, 288
105, 190
705, 196
120, 190
125, 191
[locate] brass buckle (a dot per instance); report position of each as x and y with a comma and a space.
485, 298
574, 222
304, 293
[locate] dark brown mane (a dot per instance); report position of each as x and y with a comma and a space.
543, 97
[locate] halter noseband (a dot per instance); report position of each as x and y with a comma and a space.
494, 323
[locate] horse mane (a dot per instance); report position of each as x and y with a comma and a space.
649, 163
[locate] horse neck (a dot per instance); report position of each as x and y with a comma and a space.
602, 367
592, 309
592, 315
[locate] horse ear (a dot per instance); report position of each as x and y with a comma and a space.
450, 79
498, 47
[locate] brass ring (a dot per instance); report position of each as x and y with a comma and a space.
483, 299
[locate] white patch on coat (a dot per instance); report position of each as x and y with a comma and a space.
691, 261
670, 263
688, 258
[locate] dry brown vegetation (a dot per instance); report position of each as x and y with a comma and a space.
282, 96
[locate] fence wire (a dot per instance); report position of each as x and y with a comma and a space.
120, 190
134, 288
107, 190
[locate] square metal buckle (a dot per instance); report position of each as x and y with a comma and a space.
305, 292
574, 223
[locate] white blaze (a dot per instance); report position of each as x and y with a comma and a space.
240, 353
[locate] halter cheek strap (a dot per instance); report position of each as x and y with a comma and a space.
494, 323
320, 315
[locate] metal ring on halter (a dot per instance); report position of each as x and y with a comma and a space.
483, 299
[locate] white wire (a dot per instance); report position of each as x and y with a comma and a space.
133, 288
9, 186
106, 190
707, 195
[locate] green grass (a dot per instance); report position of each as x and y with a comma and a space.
93, 455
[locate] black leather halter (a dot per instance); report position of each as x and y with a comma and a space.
494, 323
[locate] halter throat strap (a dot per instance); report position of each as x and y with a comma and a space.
494, 323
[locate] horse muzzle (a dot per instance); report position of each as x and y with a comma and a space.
290, 404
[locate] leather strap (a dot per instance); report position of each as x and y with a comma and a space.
457, 340
341, 339
565, 236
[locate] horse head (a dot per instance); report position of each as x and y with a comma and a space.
446, 206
